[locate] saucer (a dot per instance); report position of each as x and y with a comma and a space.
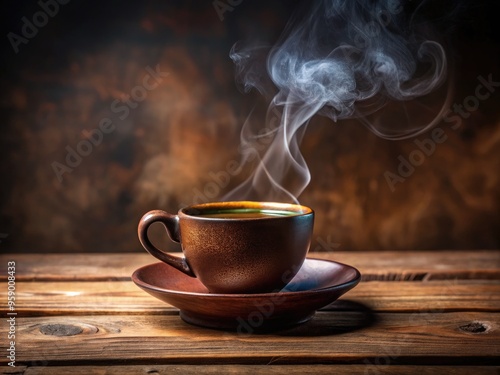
317, 284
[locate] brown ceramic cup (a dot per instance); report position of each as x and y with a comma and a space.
236, 247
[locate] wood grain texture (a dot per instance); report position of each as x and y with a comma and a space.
257, 370
18, 370
331, 337
374, 265
82, 310
124, 297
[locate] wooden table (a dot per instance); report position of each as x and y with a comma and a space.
414, 313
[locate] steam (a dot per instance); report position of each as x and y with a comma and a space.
342, 59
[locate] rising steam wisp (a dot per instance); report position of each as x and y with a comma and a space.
341, 59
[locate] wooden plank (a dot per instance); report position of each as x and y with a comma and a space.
124, 297
263, 369
331, 337
376, 265
18, 370
436, 296
94, 267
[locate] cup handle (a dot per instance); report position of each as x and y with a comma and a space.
171, 223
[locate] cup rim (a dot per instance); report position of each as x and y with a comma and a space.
296, 209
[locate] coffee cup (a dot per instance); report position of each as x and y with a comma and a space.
235, 247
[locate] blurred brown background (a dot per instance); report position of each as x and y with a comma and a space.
171, 144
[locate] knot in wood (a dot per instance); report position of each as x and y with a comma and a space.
60, 329
474, 327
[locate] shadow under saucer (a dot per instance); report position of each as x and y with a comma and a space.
338, 317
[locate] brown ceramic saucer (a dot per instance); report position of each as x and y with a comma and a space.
317, 284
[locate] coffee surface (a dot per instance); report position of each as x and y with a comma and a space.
246, 214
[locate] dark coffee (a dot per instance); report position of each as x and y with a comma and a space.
245, 214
